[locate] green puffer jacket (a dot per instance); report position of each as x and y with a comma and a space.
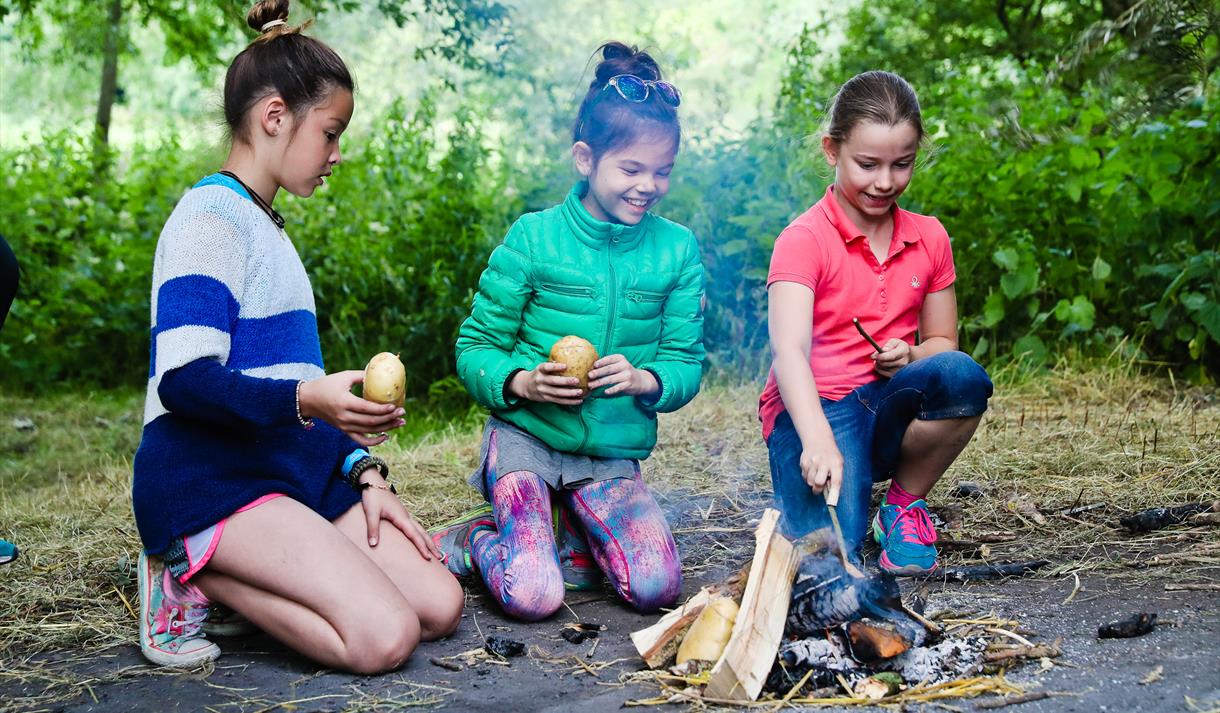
630, 290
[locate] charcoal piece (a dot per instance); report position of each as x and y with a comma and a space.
989, 571
504, 647
579, 633
784, 676
1134, 625
968, 489
1157, 518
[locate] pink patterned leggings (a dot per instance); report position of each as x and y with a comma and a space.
626, 530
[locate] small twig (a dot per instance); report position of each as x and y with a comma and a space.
444, 664
1075, 589
1193, 587
1015, 700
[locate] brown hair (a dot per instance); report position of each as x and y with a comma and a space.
605, 120
879, 97
301, 70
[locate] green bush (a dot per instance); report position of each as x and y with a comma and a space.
85, 246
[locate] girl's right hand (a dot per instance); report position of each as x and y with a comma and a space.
543, 383
822, 467
330, 398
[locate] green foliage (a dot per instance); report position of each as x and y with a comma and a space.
85, 248
396, 243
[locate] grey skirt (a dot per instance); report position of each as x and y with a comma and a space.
517, 450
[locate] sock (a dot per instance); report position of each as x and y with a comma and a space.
898, 496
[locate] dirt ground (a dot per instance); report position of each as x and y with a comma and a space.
257, 675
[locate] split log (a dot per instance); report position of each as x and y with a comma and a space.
989, 571
658, 643
742, 670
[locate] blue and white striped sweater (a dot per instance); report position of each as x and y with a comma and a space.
233, 331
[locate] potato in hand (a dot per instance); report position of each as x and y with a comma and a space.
578, 355
385, 379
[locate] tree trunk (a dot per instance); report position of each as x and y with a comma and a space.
110, 73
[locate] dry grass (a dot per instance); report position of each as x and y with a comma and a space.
1108, 436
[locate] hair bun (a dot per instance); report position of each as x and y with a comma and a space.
619, 58
266, 11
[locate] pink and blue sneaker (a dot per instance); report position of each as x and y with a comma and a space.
580, 570
907, 538
171, 618
453, 538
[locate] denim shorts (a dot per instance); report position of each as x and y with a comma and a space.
869, 424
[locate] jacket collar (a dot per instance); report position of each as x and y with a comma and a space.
597, 233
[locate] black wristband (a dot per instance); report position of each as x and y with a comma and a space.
353, 475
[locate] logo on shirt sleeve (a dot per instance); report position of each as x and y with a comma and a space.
915, 281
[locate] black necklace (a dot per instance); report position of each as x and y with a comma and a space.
258, 200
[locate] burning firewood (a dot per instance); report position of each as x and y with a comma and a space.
825, 596
869, 642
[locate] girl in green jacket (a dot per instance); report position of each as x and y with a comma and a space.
560, 464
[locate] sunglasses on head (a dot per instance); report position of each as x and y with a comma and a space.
635, 89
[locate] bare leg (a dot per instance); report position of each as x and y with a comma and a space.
433, 592
929, 448
298, 578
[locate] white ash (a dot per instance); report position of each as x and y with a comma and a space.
951, 658
827, 653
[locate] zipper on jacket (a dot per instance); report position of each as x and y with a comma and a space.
645, 296
612, 304
567, 290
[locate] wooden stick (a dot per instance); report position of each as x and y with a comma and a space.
1193, 587
1015, 700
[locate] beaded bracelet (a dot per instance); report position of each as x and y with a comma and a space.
307, 423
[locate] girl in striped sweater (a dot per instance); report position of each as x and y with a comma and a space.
252, 485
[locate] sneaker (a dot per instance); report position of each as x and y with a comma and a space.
171, 621
223, 621
8, 552
906, 536
580, 570
453, 538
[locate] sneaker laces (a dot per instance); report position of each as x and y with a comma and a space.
914, 525
191, 624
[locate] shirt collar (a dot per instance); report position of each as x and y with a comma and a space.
594, 232
904, 230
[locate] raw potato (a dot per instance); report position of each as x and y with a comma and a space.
709, 634
385, 379
578, 355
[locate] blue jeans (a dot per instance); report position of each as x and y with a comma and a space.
869, 424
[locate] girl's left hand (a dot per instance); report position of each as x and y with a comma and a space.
894, 355
625, 378
381, 504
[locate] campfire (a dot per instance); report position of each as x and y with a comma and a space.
808, 630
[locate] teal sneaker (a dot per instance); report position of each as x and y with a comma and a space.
580, 570
906, 537
171, 618
8, 552
453, 538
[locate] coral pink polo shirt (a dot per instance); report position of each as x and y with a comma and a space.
823, 250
